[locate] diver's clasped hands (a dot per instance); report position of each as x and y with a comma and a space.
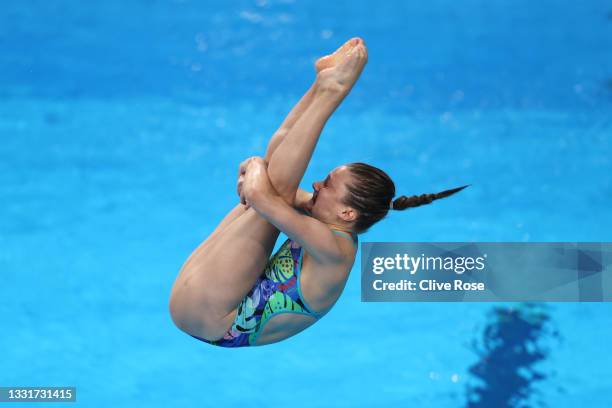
253, 180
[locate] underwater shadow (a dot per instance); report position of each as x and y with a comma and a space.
512, 344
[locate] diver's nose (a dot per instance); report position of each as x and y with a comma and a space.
316, 186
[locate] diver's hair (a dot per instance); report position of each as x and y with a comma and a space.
403, 202
371, 193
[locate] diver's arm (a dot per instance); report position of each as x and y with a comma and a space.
258, 193
315, 236
301, 202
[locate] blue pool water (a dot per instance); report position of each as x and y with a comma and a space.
122, 125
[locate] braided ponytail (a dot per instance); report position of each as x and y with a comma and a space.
403, 202
371, 193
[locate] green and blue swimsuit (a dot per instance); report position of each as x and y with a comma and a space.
276, 291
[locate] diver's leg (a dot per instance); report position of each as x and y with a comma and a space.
294, 115
240, 209
275, 140
322, 63
215, 279
290, 159
296, 112
219, 273
291, 118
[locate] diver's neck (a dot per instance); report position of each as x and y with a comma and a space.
339, 227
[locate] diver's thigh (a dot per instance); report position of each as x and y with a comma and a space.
221, 273
227, 269
236, 212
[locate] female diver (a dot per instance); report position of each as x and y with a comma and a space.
221, 296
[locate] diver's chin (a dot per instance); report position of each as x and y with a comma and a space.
309, 205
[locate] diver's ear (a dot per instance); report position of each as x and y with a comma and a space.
348, 214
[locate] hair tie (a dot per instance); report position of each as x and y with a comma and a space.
391, 205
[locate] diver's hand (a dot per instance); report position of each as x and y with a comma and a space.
242, 169
241, 172
254, 181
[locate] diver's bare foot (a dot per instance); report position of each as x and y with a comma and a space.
341, 77
331, 60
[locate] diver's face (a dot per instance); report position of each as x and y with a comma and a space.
327, 197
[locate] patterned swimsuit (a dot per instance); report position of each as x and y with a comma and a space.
276, 291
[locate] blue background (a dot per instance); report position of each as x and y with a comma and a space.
122, 126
